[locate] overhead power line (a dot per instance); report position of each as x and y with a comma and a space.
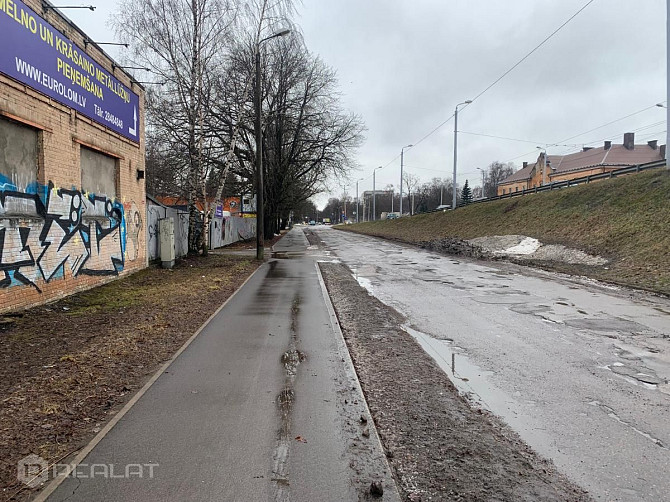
533, 51
506, 73
511, 139
608, 123
558, 143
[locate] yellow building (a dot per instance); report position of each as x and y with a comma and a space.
589, 161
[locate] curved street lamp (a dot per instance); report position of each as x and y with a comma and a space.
260, 241
483, 182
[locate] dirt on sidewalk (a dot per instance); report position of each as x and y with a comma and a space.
439, 447
69, 366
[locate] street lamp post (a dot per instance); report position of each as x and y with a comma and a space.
453, 205
483, 182
374, 194
357, 209
260, 241
402, 155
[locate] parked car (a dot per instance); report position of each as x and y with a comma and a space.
312, 222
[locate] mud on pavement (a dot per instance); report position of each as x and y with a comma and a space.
439, 447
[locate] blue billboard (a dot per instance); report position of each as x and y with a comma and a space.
37, 55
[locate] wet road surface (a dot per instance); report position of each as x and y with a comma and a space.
579, 370
261, 406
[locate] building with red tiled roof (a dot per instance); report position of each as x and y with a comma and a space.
577, 165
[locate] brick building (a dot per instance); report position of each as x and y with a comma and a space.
585, 163
72, 193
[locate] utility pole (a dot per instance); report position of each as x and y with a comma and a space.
402, 157
260, 240
484, 180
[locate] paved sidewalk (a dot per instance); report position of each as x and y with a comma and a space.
261, 406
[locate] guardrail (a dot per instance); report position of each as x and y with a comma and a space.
574, 182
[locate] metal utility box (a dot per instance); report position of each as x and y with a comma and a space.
166, 232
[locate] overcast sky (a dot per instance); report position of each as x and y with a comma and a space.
403, 65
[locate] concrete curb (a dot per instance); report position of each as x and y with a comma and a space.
348, 362
62, 476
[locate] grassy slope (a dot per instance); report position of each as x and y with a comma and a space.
626, 220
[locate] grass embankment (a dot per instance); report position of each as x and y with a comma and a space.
626, 220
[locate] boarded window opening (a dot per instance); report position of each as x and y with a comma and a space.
18, 154
98, 173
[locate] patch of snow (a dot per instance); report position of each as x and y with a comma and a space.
525, 247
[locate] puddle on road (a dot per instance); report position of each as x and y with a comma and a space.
290, 359
363, 282
468, 378
471, 381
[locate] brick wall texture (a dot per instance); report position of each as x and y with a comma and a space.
56, 239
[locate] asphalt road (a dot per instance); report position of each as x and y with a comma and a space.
579, 370
263, 405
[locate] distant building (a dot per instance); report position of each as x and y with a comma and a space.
577, 165
382, 200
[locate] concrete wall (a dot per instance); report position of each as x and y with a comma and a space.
222, 231
56, 239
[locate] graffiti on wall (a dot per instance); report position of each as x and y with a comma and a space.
46, 230
133, 228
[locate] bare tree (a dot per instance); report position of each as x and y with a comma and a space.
433, 193
495, 173
307, 138
182, 43
202, 118
411, 182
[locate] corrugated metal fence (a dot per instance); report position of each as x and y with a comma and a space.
222, 231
